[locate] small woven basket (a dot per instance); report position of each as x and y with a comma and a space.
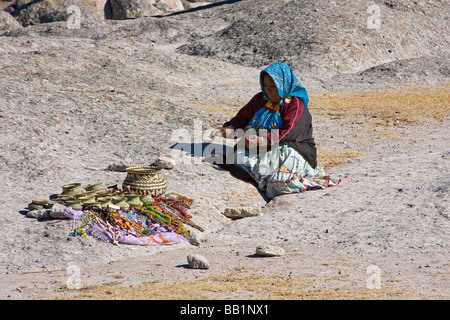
145, 179
72, 188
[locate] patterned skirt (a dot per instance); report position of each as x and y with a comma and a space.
283, 171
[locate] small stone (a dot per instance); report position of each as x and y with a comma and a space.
131, 9
117, 167
269, 251
57, 211
39, 214
197, 261
7, 22
193, 239
165, 163
237, 213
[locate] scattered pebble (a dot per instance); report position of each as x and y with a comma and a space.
193, 239
237, 213
57, 211
269, 251
197, 261
39, 214
165, 163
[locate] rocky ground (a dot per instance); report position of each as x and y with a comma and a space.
73, 101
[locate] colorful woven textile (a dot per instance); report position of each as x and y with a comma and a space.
282, 171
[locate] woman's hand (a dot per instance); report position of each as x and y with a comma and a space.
222, 132
252, 141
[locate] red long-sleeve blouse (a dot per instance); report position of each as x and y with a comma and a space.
296, 130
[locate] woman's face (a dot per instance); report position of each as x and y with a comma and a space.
271, 89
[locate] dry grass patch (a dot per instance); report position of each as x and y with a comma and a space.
236, 285
411, 105
414, 105
230, 109
329, 159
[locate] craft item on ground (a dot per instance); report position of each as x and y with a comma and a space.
147, 200
97, 188
148, 179
132, 216
37, 204
133, 200
104, 202
151, 225
122, 204
75, 204
95, 195
173, 206
87, 198
119, 229
178, 205
72, 188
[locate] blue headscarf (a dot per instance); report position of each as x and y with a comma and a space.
286, 82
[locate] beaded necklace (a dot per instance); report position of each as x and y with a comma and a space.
177, 202
159, 216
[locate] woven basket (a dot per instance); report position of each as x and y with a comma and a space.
146, 179
72, 188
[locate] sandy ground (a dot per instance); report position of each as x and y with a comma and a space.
72, 106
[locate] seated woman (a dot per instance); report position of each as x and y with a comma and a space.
282, 128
